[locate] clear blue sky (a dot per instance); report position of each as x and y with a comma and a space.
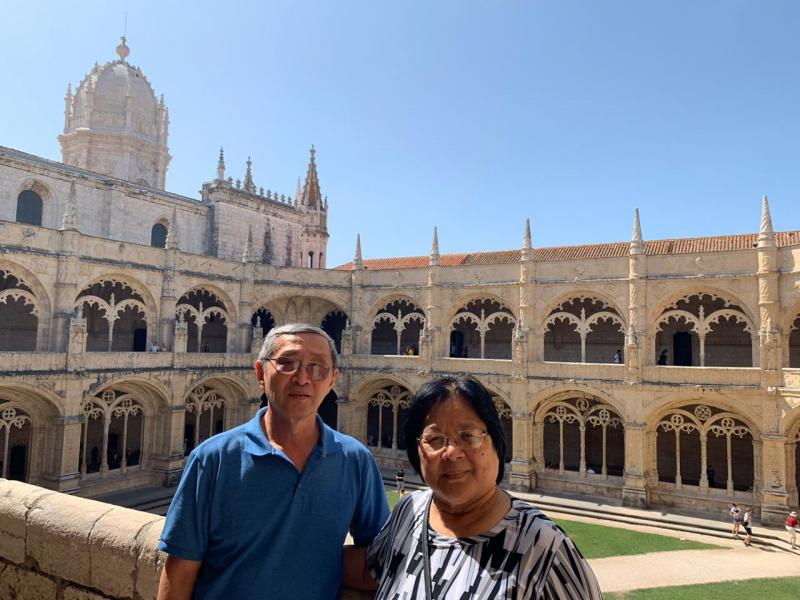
467, 115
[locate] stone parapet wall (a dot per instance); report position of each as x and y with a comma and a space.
53, 545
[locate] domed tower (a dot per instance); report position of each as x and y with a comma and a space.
114, 125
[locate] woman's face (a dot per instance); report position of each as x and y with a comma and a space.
457, 474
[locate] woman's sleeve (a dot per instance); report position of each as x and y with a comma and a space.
570, 577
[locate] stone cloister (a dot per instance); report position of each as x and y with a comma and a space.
85, 407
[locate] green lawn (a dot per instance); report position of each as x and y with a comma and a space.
784, 588
600, 541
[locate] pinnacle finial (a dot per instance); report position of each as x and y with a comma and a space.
122, 50
171, 243
766, 235
357, 262
70, 220
434, 258
221, 165
249, 185
313, 152
298, 191
248, 246
311, 196
637, 245
526, 239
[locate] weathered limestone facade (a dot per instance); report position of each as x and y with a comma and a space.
659, 372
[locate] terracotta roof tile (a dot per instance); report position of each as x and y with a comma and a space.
719, 243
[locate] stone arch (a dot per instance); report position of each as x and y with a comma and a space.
119, 426
210, 319
538, 403
334, 323
23, 434
704, 329
793, 458
158, 234
584, 327
31, 294
703, 443
262, 320
481, 326
208, 412
385, 403
118, 312
581, 432
395, 325
502, 403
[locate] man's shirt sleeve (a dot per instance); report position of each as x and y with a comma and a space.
185, 533
372, 509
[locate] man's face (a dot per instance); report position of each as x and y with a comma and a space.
297, 396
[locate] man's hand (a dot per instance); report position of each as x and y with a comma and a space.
178, 579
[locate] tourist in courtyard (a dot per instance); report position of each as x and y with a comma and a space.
662, 358
736, 516
262, 510
441, 542
400, 479
791, 527
747, 523
618, 357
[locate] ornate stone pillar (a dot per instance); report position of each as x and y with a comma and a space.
66, 289
181, 335
774, 497
635, 488
635, 337
523, 464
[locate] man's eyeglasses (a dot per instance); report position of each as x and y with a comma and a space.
469, 439
290, 366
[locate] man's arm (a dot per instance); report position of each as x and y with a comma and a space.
178, 578
355, 573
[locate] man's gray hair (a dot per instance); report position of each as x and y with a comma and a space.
271, 339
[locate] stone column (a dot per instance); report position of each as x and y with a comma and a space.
635, 489
523, 464
181, 335
166, 456
774, 497
66, 289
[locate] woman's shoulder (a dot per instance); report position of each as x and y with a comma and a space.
531, 523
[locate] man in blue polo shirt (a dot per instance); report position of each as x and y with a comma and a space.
262, 510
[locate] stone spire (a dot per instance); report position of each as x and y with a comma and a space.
221, 165
68, 107
247, 253
434, 258
637, 245
358, 264
526, 241
766, 235
171, 243
70, 220
249, 186
312, 197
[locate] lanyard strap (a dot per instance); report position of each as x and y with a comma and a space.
426, 559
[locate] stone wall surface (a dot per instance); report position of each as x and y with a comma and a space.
53, 545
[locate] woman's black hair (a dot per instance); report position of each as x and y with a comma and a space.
439, 390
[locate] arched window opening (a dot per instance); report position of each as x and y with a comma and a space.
584, 329
701, 445
329, 410
116, 317
206, 319
112, 433
310, 260
29, 208
15, 442
584, 435
396, 329
19, 314
386, 412
482, 328
158, 236
794, 344
205, 416
262, 321
334, 324
704, 330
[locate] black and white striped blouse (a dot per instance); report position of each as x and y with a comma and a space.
524, 556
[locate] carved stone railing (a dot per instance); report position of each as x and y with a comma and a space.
53, 545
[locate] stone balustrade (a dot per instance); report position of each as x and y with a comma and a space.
53, 545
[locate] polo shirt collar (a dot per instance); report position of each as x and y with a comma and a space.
257, 443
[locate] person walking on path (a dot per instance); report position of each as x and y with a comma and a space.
747, 523
400, 478
736, 515
791, 527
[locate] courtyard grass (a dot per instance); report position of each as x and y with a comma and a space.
601, 541
783, 588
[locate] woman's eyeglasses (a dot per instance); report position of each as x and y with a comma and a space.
469, 439
290, 366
